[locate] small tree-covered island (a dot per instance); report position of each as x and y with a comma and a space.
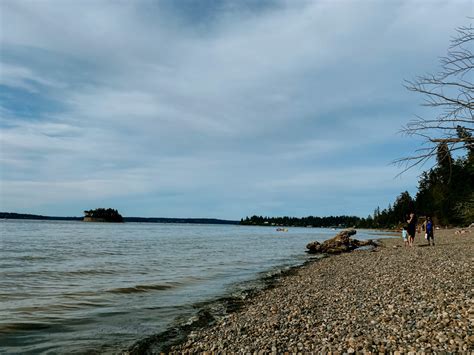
103, 215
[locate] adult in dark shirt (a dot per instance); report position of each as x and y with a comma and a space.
411, 230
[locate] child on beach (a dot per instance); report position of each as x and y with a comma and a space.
429, 229
405, 235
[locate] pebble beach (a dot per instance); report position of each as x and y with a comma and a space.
389, 299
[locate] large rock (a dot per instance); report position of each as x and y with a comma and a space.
341, 243
314, 247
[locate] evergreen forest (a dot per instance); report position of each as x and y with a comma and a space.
102, 214
445, 193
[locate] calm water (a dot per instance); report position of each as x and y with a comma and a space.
79, 287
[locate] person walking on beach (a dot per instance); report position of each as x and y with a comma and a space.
429, 230
405, 235
411, 228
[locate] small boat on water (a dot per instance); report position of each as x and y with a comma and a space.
282, 229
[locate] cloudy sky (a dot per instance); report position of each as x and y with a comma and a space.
221, 108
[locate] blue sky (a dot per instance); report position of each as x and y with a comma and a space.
212, 108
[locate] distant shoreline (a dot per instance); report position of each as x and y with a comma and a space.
25, 216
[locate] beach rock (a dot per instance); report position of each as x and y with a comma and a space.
362, 243
341, 243
314, 247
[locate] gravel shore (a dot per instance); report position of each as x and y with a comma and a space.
392, 299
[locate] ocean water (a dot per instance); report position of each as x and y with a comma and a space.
75, 287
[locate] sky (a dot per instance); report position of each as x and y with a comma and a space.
221, 109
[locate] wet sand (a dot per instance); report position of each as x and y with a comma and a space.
391, 299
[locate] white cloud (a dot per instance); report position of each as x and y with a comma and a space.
24, 78
362, 178
144, 99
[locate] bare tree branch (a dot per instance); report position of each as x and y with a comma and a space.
451, 94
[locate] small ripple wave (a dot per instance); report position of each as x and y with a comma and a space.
23, 326
144, 288
57, 274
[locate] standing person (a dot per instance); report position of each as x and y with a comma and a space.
405, 235
411, 228
429, 229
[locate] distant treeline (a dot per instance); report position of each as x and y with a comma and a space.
10, 215
310, 221
179, 220
445, 193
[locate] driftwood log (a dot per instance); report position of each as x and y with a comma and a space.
341, 243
